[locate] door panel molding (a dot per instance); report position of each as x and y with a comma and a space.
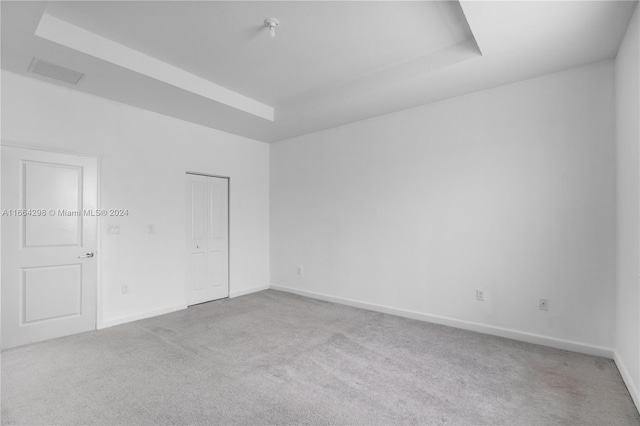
207, 211
47, 292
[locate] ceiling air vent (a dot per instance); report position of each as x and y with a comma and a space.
55, 72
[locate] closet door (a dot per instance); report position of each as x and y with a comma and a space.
208, 239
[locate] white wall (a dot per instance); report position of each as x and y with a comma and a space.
510, 190
627, 328
144, 157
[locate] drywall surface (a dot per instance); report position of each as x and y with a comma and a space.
144, 157
627, 328
510, 191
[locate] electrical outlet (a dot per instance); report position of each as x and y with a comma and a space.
125, 289
544, 304
300, 270
113, 229
480, 295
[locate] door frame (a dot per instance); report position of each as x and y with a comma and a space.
99, 283
187, 195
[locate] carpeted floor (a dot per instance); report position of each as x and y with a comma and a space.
277, 358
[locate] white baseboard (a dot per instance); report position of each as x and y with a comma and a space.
523, 336
142, 315
247, 291
626, 377
168, 309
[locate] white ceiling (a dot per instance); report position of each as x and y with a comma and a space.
331, 63
317, 44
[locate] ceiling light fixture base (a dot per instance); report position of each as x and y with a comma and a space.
271, 23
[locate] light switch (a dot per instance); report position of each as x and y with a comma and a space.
151, 228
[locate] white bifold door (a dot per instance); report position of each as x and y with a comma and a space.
208, 238
49, 228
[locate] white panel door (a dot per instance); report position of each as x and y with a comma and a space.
49, 270
208, 239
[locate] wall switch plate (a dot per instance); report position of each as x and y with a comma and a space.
544, 304
299, 270
113, 229
125, 289
151, 228
480, 295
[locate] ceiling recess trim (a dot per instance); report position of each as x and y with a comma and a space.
76, 38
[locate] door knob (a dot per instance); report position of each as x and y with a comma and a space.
89, 254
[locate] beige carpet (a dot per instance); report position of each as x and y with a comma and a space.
277, 358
